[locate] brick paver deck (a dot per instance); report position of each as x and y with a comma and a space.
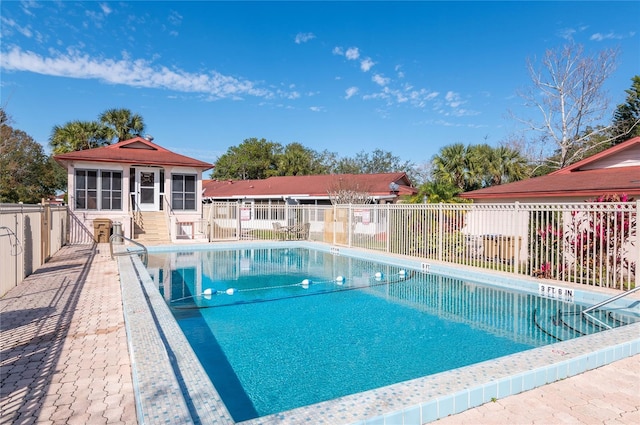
64, 347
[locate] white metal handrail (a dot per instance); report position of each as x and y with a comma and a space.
610, 300
143, 252
135, 211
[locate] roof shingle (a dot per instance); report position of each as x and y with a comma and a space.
316, 186
134, 151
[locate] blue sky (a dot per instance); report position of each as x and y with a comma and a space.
403, 77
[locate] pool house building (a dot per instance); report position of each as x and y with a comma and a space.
147, 192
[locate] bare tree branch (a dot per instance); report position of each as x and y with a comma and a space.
567, 93
345, 191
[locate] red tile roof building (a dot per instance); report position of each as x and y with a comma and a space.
123, 182
381, 188
612, 171
134, 151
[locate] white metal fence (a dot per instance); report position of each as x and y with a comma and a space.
593, 243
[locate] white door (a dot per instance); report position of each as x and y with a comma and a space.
148, 188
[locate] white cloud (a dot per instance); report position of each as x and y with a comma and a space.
383, 113
10, 23
175, 18
380, 80
304, 37
366, 64
422, 96
610, 36
27, 5
133, 73
453, 99
316, 108
350, 92
105, 8
379, 95
352, 53
415, 98
97, 17
567, 33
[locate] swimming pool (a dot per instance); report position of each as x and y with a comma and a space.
412, 395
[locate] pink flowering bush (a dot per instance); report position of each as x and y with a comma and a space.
598, 238
548, 246
545, 271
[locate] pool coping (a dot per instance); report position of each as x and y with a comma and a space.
165, 367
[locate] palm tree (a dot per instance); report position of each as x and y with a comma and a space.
123, 123
477, 166
450, 165
480, 165
434, 192
78, 135
513, 166
296, 160
495, 166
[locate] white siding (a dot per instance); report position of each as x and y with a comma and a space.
627, 158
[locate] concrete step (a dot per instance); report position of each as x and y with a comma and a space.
154, 229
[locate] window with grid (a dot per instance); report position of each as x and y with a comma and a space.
111, 190
94, 185
86, 190
183, 192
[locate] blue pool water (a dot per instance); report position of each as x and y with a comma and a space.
277, 329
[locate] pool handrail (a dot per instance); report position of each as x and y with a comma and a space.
144, 253
609, 300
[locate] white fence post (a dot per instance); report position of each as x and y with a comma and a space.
517, 239
440, 230
637, 242
387, 228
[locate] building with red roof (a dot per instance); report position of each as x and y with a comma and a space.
612, 171
134, 182
381, 188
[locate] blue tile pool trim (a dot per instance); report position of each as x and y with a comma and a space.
163, 373
170, 384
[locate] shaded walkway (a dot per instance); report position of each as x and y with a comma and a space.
64, 356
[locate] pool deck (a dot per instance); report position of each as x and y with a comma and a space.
65, 359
